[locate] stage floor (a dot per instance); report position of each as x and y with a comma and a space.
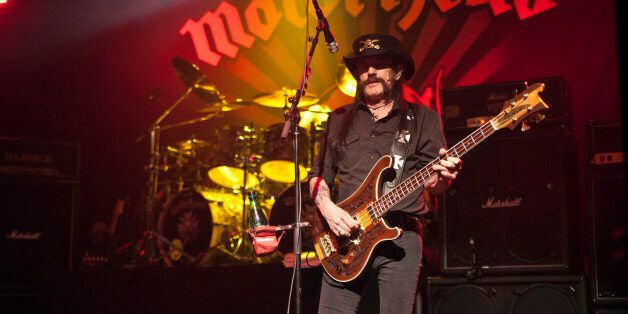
236, 289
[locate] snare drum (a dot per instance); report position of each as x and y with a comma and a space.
278, 158
229, 144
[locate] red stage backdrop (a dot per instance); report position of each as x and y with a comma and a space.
81, 70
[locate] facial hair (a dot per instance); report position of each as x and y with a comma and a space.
388, 89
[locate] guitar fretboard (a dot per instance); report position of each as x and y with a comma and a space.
417, 180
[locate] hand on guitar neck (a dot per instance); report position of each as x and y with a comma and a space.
446, 170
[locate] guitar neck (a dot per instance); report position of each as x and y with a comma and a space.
418, 179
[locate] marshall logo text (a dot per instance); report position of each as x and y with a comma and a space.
491, 202
18, 235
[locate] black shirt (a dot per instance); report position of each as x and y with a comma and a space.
367, 140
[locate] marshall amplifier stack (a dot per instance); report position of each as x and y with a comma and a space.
39, 185
466, 108
509, 211
606, 214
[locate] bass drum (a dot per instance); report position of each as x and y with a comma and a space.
282, 213
186, 222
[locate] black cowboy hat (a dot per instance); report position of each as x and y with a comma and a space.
376, 45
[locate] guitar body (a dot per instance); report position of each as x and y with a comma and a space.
344, 258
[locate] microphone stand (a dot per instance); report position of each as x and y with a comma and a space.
291, 125
476, 268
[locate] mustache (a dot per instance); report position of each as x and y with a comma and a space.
374, 80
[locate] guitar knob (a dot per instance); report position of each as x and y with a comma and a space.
347, 260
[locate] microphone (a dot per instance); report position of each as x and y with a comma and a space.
332, 45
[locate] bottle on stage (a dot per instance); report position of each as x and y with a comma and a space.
257, 218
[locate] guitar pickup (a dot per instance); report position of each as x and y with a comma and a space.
325, 246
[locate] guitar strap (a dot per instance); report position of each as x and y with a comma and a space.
401, 142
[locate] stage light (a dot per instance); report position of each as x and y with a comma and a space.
3, 1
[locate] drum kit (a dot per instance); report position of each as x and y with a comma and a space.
200, 182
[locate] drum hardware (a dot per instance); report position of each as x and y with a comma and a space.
185, 166
175, 249
315, 116
233, 151
279, 99
278, 163
184, 228
192, 77
196, 82
223, 106
240, 178
187, 147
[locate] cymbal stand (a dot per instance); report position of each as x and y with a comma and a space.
148, 252
245, 167
292, 125
246, 159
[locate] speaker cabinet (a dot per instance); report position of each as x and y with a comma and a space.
38, 201
607, 216
510, 201
564, 294
36, 231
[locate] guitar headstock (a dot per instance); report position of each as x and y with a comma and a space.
523, 107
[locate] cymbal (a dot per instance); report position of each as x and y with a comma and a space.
279, 99
187, 145
226, 106
192, 76
345, 81
316, 114
219, 195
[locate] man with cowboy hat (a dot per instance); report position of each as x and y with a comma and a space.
357, 135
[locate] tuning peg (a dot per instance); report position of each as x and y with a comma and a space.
535, 118
538, 117
524, 126
525, 83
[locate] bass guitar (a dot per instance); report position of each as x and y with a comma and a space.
344, 258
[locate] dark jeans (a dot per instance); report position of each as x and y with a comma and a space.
394, 269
